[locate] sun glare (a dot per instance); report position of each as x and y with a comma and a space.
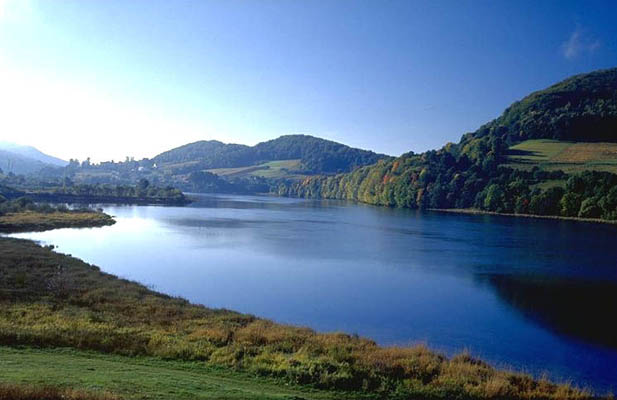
37, 110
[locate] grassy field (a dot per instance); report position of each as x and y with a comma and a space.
173, 166
567, 156
141, 377
104, 175
29, 221
280, 169
272, 169
50, 300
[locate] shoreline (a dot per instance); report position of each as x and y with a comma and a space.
474, 211
30, 221
87, 199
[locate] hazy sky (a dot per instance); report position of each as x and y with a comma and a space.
108, 78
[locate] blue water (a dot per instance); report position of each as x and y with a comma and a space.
533, 295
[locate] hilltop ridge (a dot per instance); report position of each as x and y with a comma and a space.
580, 108
21, 159
316, 155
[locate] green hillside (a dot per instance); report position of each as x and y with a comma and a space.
290, 169
510, 165
209, 154
316, 155
582, 108
212, 166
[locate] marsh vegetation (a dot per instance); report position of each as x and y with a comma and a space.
24, 215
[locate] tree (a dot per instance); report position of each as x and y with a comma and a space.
590, 208
494, 199
143, 184
570, 204
547, 202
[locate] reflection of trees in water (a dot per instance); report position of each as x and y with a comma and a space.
584, 310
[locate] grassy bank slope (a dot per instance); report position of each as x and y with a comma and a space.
52, 300
140, 377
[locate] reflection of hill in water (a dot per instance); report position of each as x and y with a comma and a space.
584, 310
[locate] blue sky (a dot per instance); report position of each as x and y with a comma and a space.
109, 79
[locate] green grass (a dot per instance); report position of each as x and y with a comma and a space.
272, 169
237, 171
173, 166
141, 377
569, 157
280, 169
544, 185
50, 300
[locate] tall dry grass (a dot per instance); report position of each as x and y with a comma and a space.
30, 392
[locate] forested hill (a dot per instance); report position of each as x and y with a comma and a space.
316, 155
580, 108
211, 153
485, 171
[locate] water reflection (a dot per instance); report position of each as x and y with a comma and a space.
584, 310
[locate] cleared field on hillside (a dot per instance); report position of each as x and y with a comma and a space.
566, 156
80, 176
173, 166
272, 169
234, 171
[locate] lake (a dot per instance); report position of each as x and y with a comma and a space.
536, 295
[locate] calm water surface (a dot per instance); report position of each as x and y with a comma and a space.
534, 295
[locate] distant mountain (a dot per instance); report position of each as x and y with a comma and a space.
25, 159
32, 152
316, 155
